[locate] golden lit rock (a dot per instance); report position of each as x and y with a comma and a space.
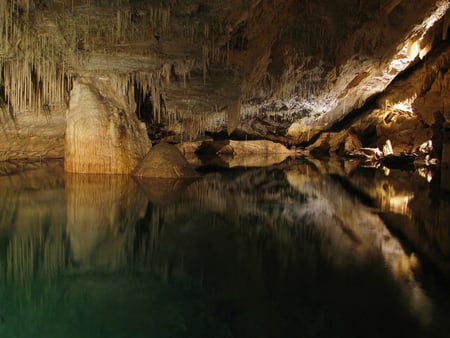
103, 135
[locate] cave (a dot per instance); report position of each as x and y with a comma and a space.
164, 150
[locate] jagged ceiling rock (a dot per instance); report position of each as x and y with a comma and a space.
196, 66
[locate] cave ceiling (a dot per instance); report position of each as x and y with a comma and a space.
210, 65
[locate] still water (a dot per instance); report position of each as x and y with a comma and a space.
301, 249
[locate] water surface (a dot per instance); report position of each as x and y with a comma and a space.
302, 249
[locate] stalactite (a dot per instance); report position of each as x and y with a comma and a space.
149, 84
34, 54
205, 50
160, 19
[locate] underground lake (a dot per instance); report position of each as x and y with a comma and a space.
305, 248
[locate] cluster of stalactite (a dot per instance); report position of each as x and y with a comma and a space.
35, 56
114, 28
31, 60
45, 44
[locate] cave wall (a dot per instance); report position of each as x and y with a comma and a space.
283, 70
30, 135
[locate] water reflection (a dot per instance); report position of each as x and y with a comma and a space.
101, 213
417, 209
356, 234
285, 251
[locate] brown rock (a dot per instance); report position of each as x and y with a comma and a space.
254, 153
189, 147
164, 161
341, 143
103, 134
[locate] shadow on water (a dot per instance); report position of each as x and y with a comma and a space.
282, 251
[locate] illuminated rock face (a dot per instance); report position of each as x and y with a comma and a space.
413, 109
102, 135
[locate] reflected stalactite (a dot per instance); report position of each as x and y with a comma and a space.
31, 228
42, 256
148, 243
54, 256
299, 210
20, 259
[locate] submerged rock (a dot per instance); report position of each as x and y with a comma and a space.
165, 161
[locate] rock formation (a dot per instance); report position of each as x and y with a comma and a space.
102, 135
284, 71
164, 161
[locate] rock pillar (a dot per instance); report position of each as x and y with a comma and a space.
103, 134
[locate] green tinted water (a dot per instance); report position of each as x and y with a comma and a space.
287, 251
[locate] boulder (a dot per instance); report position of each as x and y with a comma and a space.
165, 161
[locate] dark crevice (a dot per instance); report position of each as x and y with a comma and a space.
144, 106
